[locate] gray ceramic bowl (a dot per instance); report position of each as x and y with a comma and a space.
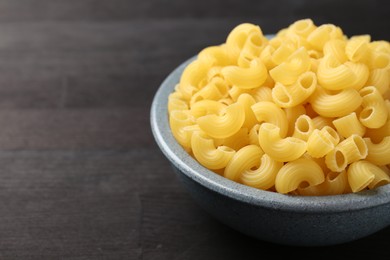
269, 216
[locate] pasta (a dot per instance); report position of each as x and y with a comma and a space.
304, 113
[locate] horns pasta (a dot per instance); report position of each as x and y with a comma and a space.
305, 112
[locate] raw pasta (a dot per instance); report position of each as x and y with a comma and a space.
306, 112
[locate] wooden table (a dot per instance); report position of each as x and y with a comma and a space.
80, 174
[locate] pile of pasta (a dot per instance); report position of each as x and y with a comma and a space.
305, 112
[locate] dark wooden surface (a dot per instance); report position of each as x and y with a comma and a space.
80, 174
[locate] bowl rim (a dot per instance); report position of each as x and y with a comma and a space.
188, 166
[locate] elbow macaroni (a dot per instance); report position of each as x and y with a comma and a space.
304, 113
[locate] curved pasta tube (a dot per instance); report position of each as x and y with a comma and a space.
216, 56
288, 72
381, 178
266, 111
225, 125
248, 77
379, 60
336, 48
297, 173
234, 92
290, 96
213, 91
206, 107
238, 36
319, 144
331, 134
236, 141
264, 176
244, 159
349, 150
336, 160
252, 48
292, 113
281, 53
192, 76
380, 46
303, 127
360, 175
334, 75
354, 148
374, 113
178, 120
247, 102
207, 154
302, 27
378, 153
380, 78
357, 49
278, 148
254, 135
377, 135
176, 102
320, 122
329, 104
335, 183
262, 93
322, 34
349, 125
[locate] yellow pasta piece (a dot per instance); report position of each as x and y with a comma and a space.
292, 113
245, 159
333, 104
322, 34
236, 141
216, 56
237, 37
357, 49
299, 173
262, 93
254, 135
379, 60
252, 48
296, 94
264, 176
374, 113
303, 127
177, 121
214, 90
360, 175
225, 125
302, 27
379, 78
336, 48
247, 101
334, 75
278, 148
206, 107
289, 71
192, 76
377, 134
207, 154
349, 125
335, 183
246, 77
319, 144
378, 153
266, 111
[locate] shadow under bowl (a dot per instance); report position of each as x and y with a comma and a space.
269, 216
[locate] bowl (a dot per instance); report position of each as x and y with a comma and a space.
266, 215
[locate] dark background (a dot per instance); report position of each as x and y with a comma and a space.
80, 174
